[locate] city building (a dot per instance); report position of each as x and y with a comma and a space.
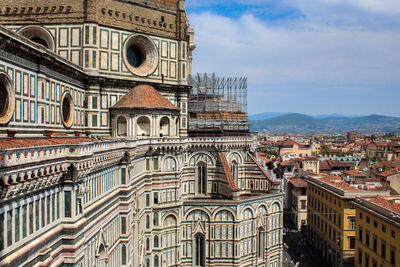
331, 216
377, 231
298, 199
291, 146
100, 163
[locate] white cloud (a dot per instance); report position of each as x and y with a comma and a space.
304, 55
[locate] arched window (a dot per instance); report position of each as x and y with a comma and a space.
164, 127
147, 243
156, 243
201, 177
143, 126
121, 126
123, 255
235, 172
261, 243
200, 259
156, 261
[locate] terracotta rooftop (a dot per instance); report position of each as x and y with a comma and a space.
387, 173
298, 182
289, 143
19, 143
386, 203
144, 96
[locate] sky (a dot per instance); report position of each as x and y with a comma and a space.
306, 56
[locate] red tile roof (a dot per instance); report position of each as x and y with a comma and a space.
19, 143
386, 203
388, 173
144, 96
298, 182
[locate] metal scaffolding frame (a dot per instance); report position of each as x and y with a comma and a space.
217, 105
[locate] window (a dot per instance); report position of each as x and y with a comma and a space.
156, 242
94, 120
67, 205
201, 178
375, 244
123, 176
123, 225
123, 255
155, 219
392, 255
155, 163
367, 239
359, 256
147, 222
392, 233
86, 34
383, 228
155, 197
147, 200
366, 260
360, 215
360, 234
383, 249
367, 219
199, 250
303, 204
94, 102
147, 243
375, 223
352, 223
6, 99
352, 242
67, 110
147, 164
156, 261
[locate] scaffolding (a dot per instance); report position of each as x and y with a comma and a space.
217, 106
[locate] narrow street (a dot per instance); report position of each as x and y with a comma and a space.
297, 250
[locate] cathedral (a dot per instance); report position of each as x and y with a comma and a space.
113, 154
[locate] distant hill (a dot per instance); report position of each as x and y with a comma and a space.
304, 124
269, 115
265, 115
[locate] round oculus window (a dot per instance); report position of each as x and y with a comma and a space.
140, 55
6, 99
67, 110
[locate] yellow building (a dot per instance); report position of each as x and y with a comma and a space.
377, 231
332, 216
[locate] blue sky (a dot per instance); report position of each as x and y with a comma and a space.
307, 56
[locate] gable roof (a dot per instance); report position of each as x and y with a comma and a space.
144, 96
